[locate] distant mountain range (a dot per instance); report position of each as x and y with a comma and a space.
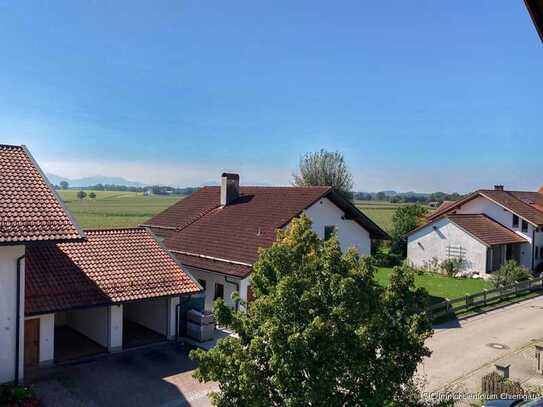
94, 180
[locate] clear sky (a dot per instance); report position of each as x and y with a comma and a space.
419, 95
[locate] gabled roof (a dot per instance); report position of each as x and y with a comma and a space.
486, 230
110, 266
535, 7
231, 235
527, 205
30, 209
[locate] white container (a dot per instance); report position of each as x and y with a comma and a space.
201, 318
202, 333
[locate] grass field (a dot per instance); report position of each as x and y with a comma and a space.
112, 209
440, 287
380, 212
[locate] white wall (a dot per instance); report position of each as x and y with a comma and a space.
324, 213
8, 312
172, 316
212, 278
504, 217
151, 314
47, 338
91, 322
433, 240
115, 329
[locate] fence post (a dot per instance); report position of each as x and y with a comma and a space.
530, 284
484, 296
516, 287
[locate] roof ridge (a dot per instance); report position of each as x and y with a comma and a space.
11, 146
131, 229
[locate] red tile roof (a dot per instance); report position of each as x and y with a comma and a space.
527, 205
30, 210
111, 266
486, 229
233, 234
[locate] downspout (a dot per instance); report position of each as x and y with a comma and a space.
533, 250
18, 320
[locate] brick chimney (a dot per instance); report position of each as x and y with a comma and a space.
229, 188
498, 187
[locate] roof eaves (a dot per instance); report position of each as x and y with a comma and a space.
482, 193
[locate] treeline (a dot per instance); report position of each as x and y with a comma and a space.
406, 197
152, 189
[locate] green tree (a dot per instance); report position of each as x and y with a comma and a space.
509, 273
64, 184
81, 194
320, 332
92, 195
405, 219
325, 168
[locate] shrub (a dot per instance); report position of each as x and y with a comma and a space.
510, 272
451, 267
539, 269
18, 396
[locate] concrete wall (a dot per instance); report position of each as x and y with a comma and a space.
115, 328
91, 322
172, 316
325, 213
434, 240
47, 339
152, 314
8, 312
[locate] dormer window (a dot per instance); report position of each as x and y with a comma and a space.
515, 221
524, 226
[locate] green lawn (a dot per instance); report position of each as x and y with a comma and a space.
380, 212
440, 287
111, 209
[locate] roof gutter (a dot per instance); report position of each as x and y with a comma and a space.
18, 321
535, 8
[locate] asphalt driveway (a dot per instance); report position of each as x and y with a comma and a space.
461, 347
157, 376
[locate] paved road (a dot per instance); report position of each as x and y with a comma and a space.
159, 376
461, 347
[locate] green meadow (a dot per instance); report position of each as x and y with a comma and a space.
112, 209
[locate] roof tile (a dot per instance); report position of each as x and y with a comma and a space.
111, 266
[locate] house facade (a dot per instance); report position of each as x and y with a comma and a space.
66, 293
216, 233
485, 229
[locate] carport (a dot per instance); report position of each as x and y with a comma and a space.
85, 298
80, 333
145, 322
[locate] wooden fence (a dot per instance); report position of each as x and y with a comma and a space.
483, 298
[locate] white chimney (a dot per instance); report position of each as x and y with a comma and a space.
229, 188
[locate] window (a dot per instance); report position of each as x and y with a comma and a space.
219, 291
329, 231
524, 226
515, 221
203, 283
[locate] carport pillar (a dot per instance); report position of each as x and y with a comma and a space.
115, 328
172, 316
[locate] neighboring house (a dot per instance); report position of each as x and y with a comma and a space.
67, 293
216, 232
486, 228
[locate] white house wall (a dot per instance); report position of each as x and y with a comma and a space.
433, 241
504, 217
151, 314
349, 233
214, 278
8, 312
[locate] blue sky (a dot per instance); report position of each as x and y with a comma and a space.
427, 95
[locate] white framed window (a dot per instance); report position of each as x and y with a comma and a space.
329, 231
